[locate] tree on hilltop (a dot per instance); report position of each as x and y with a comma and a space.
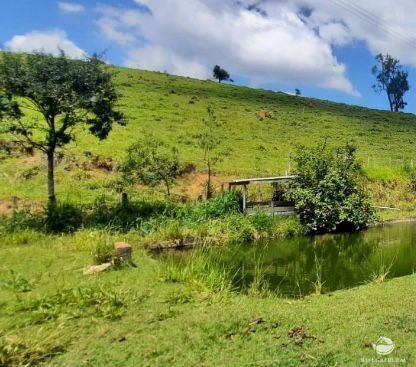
220, 74
392, 79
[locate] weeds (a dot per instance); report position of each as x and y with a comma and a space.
17, 283
202, 274
17, 352
382, 272
103, 251
74, 303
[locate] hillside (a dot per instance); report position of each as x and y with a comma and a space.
172, 108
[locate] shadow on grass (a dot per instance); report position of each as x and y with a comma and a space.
68, 217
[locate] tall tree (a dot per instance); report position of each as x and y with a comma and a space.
392, 79
220, 74
46, 97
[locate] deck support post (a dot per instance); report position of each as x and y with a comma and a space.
244, 198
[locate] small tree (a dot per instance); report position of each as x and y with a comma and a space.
297, 92
326, 190
392, 79
220, 74
151, 162
208, 140
46, 97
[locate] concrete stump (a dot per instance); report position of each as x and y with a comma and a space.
123, 251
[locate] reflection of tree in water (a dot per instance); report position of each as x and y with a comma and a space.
292, 266
340, 261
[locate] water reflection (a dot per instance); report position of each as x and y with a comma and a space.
304, 265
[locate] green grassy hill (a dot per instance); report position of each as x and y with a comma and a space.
172, 108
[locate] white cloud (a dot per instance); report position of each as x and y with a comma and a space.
384, 27
110, 28
287, 41
70, 7
50, 42
157, 58
190, 37
335, 33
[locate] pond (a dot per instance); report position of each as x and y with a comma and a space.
320, 264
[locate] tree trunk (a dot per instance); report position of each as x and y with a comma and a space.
51, 176
390, 102
209, 188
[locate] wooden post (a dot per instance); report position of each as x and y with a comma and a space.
124, 200
15, 203
244, 198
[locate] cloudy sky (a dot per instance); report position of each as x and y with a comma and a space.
326, 48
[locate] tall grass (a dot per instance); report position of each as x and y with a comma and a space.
200, 271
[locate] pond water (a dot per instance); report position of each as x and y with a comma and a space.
304, 265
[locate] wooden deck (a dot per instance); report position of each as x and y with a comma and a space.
271, 206
274, 211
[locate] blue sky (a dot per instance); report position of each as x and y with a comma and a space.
326, 50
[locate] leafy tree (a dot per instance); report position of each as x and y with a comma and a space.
208, 140
151, 162
392, 79
44, 98
326, 190
220, 74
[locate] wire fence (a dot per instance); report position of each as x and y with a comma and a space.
286, 165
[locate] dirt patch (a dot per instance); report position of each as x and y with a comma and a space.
9, 205
192, 186
6, 207
298, 335
264, 113
100, 163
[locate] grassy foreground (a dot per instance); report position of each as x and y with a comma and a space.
53, 315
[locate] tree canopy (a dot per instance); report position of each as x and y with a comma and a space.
220, 74
43, 98
151, 162
392, 79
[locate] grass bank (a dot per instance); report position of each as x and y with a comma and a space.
159, 224
52, 314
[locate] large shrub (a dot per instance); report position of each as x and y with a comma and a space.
327, 193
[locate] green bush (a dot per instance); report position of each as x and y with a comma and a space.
224, 204
326, 191
262, 222
240, 229
21, 220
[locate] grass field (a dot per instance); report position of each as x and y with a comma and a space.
156, 315
172, 108
53, 315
